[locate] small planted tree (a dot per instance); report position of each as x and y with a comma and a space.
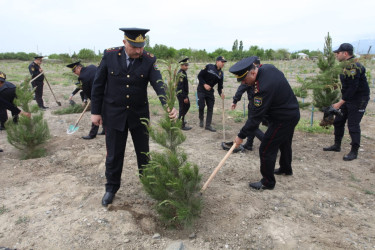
28, 134
169, 178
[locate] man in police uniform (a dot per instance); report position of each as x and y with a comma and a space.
8, 93
355, 96
38, 78
86, 76
242, 88
183, 92
119, 101
274, 97
208, 78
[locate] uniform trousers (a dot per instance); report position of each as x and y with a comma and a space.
279, 135
38, 93
183, 107
206, 98
353, 113
116, 144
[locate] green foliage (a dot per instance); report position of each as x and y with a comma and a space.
305, 126
86, 54
17, 56
71, 109
168, 177
63, 57
28, 134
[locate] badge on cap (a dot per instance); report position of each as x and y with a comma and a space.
258, 101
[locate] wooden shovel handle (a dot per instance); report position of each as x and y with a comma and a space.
88, 103
218, 167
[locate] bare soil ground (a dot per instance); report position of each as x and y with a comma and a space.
54, 202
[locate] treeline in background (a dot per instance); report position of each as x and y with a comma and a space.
164, 52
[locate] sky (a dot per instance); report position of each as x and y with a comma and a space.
66, 26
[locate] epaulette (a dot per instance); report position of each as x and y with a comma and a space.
114, 49
148, 54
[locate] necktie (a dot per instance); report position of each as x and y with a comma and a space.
130, 62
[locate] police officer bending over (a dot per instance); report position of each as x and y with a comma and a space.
274, 97
208, 78
119, 101
250, 95
86, 76
355, 96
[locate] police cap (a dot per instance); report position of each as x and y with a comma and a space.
73, 65
241, 68
221, 58
3, 77
344, 47
38, 57
184, 61
135, 36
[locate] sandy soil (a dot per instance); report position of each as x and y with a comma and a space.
55, 202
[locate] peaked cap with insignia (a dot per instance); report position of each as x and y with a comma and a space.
135, 36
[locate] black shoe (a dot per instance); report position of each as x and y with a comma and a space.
335, 148
2, 128
108, 198
210, 128
351, 156
42, 108
186, 128
45, 107
88, 137
258, 185
280, 172
1, 150
248, 146
102, 133
201, 123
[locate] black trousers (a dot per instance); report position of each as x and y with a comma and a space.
9, 95
116, 144
353, 113
203, 99
183, 107
38, 93
279, 135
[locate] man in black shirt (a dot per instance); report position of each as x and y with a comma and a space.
273, 97
208, 78
355, 96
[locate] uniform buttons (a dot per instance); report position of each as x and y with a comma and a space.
127, 96
112, 72
128, 76
127, 107
142, 76
127, 86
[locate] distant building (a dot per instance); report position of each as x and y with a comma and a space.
302, 56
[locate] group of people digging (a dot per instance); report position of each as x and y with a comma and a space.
117, 89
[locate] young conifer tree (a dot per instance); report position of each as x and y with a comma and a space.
169, 178
325, 86
28, 134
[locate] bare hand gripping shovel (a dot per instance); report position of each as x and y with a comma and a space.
73, 128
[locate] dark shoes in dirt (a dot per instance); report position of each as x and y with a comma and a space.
108, 198
281, 171
259, 185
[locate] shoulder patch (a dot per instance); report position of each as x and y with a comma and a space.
32, 68
114, 49
258, 101
156, 66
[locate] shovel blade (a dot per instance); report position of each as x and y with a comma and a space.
72, 129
